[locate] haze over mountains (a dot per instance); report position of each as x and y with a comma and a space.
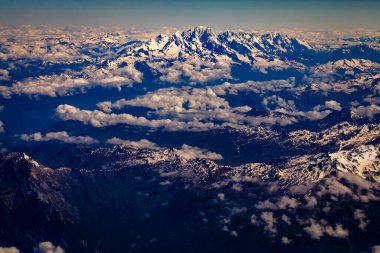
136, 142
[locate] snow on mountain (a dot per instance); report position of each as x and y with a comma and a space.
203, 43
343, 135
358, 158
141, 182
363, 161
345, 67
298, 172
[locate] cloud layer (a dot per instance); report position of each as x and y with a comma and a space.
58, 136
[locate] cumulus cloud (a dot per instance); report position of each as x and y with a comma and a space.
279, 102
349, 185
58, 136
9, 250
48, 247
330, 39
361, 217
136, 144
375, 249
4, 75
2, 130
207, 107
47, 44
264, 65
65, 84
189, 120
367, 111
315, 230
331, 104
338, 231
286, 219
285, 202
270, 221
189, 104
318, 229
258, 87
195, 70
334, 70
188, 152
3, 57
345, 76
107, 106
175, 100
311, 202
100, 119
64, 44
253, 219
285, 240
289, 108
267, 204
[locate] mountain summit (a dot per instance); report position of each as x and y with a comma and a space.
201, 42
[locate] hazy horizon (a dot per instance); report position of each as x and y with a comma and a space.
241, 14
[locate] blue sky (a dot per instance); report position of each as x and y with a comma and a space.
253, 14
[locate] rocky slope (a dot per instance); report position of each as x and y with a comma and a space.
131, 188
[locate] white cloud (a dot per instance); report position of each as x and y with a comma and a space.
253, 219
100, 119
338, 231
3, 57
264, 65
186, 119
48, 247
286, 219
189, 104
318, 229
63, 45
367, 111
283, 203
106, 106
4, 75
331, 104
60, 136
258, 87
46, 44
174, 100
279, 102
136, 144
345, 76
311, 202
315, 230
188, 152
267, 204
195, 70
270, 221
2, 130
361, 217
331, 39
349, 185
238, 210
286, 240
375, 249
9, 250
65, 84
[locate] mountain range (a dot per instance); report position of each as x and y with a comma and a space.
191, 141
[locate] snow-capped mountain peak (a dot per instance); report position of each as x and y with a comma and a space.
201, 42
